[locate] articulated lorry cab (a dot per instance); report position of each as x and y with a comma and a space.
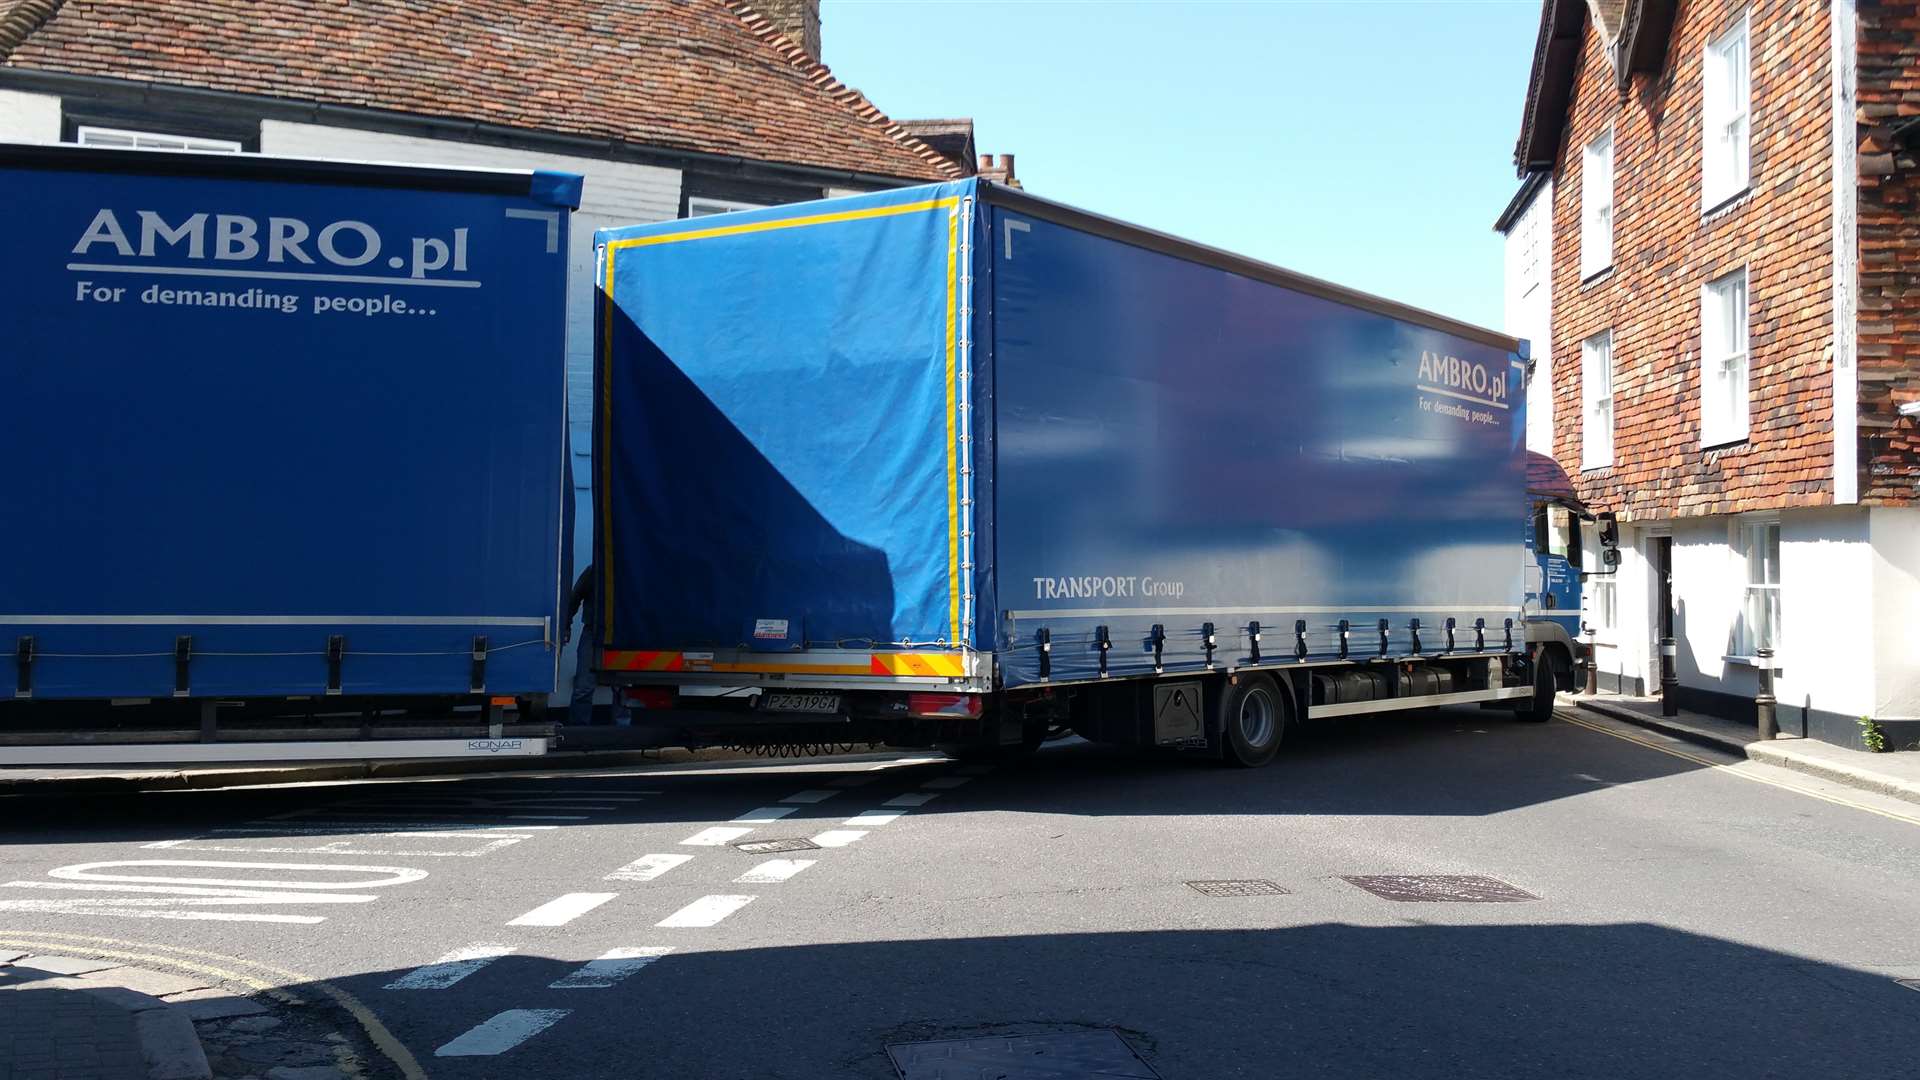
287, 457
1556, 570
956, 464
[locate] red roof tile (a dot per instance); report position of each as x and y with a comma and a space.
710, 76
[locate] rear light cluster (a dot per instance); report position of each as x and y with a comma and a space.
963, 706
648, 697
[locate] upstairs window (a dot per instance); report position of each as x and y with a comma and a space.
1723, 360
1726, 92
1596, 395
151, 140
1596, 205
700, 206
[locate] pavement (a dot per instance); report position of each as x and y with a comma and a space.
1458, 895
1896, 774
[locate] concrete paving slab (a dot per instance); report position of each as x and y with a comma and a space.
214, 1005
64, 965
146, 981
170, 1046
1894, 774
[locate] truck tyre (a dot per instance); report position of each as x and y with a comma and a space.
1253, 720
1539, 707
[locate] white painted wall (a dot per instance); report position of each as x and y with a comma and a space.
1528, 307
29, 117
1834, 620
1895, 532
1624, 649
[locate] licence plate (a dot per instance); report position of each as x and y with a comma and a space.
802, 703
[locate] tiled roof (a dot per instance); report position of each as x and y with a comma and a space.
709, 76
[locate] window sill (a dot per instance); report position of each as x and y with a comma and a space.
1731, 202
1597, 276
1724, 444
1595, 468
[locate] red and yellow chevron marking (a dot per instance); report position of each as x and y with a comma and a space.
631, 660
925, 665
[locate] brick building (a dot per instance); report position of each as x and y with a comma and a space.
1728, 189
669, 108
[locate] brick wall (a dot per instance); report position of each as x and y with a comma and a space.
1889, 210
1665, 249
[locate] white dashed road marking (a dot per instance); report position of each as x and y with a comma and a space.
647, 867
563, 910
450, 968
918, 799
811, 795
706, 911
612, 966
773, 870
766, 814
715, 837
839, 837
502, 1032
874, 817
943, 783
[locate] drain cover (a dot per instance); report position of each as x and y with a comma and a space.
1238, 888
1062, 1055
767, 847
1442, 888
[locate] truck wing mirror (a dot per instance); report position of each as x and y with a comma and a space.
1610, 557
1609, 533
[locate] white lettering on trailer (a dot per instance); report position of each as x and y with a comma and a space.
1109, 586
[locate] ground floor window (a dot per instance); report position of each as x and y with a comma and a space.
1760, 619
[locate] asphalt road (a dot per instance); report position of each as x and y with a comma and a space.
1657, 910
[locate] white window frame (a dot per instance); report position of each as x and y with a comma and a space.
1726, 365
1596, 205
1596, 401
1760, 596
1601, 590
1530, 248
1726, 115
701, 206
128, 139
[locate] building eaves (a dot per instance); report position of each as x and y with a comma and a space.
1635, 34
709, 77
1530, 185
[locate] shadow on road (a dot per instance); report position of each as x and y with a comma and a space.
1458, 762
1327, 1000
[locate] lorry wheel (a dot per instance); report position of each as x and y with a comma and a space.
1253, 721
1540, 706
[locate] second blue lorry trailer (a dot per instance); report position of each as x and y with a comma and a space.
956, 463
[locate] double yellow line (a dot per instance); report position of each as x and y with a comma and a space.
1733, 769
255, 976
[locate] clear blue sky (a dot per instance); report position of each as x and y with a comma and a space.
1367, 143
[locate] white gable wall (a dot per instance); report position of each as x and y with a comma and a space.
29, 117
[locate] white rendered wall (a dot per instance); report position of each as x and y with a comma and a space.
29, 117
1895, 532
1528, 309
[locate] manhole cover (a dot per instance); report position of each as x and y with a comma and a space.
766, 847
1062, 1055
1238, 888
1442, 888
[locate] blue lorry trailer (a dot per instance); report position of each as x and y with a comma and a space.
956, 463
288, 475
